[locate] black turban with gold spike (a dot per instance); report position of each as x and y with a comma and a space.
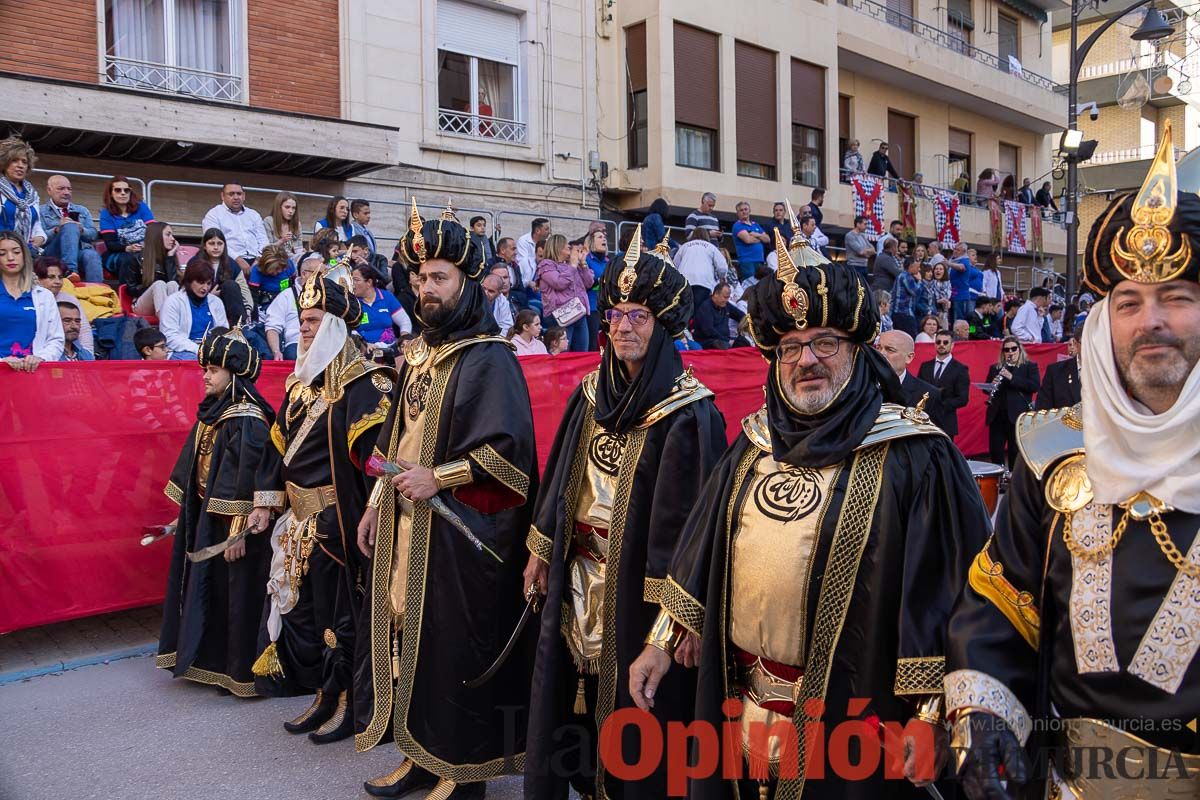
229, 349
443, 239
332, 296
649, 279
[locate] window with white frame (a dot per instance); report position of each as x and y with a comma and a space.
478, 64
190, 47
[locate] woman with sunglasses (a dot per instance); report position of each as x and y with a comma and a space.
123, 221
1014, 379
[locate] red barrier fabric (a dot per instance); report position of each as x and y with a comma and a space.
85, 449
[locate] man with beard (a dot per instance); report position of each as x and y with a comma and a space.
442, 602
638, 440
333, 406
212, 607
1081, 616
820, 566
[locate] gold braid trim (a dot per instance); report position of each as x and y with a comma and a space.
175, 493
501, 469
652, 590
987, 578
236, 688
919, 675
277, 438
683, 608
270, 499
539, 544
229, 508
845, 556
368, 421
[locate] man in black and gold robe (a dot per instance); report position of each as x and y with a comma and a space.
638, 440
819, 569
213, 606
334, 404
441, 605
1079, 628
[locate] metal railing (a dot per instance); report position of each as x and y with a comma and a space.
610, 227
1145, 152
947, 39
925, 191
170, 79
480, 126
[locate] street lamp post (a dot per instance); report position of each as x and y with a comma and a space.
1153, 28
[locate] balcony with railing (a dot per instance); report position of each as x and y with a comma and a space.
481, 126
152, 77
950, 40
1127, 154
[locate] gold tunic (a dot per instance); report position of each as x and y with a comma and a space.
413, 408
584, 623
772, 558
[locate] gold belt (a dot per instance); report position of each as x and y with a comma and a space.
1147, 772
307, 503
763, 686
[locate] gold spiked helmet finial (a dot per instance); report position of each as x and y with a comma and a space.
628, 276
1143, 254
795, 299
414, 225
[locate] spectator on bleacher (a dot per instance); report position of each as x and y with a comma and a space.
779, 222
283, 225
525, 332
245, 236
326, 243
151, 344
886, 267
501, 272
929, 328
337, 218
18, 198
993, 286
361, 255
150, 282
493, 289
1031, 317
230, 283
72, 324
563, 277
961, 278
188, 315
49, 273
938, 289
703, 217
852, 160
907, 294
481, 239
711, 327
30, 327
527, 246
815, 236
123, 221
270, 275
701, 262
506, 257
883, 299
70, 231
1056, 323
894, 232
596, 255
282, 320
360, 221
382, 312
555, 339
654, 226
750, 240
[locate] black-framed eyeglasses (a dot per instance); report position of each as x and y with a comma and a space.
1011, 349
637, 317
822, 347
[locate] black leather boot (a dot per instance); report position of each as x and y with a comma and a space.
316, 714
449, 790
406, 778
340, 724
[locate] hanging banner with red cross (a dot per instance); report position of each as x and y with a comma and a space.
1016, 236
868, 202
946, 219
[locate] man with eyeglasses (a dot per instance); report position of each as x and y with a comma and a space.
818, 571
1079, 628
634, 448
951, 377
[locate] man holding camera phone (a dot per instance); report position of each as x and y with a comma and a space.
70, 231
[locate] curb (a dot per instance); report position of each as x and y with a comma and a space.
89, 661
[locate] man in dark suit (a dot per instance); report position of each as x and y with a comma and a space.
1060, 386
951, 378
983, 320
897, 347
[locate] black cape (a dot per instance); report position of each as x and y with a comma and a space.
211, 610
460, 605
926, 519
663, 468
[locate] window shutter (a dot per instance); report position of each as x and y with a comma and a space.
757, 126
808, 95
960, 141
960, 11
635, 55
473, 30
843, 116
696, 78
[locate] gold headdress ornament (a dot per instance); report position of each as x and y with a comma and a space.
414, 225
794, 221
794, 299
448, 214
663, 249
628, 276
1143, 253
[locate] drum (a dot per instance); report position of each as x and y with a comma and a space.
987, 477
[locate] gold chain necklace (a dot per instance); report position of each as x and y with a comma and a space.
1157, 527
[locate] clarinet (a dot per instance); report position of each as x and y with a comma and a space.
996, 385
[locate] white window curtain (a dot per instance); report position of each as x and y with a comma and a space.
202, 35
137, 30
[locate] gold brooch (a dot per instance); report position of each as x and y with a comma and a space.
1068, 488
795, 299
628, 276
1143, 254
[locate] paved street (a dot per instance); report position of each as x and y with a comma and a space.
127, 731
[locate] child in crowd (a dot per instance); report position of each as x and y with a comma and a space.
555, 339
151, 345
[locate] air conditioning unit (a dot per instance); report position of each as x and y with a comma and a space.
621, 181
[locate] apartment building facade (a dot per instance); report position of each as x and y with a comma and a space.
757, 101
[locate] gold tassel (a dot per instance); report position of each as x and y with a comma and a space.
580, 698
395, 655
268, 665
762, 791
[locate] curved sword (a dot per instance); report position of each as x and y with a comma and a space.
532, 606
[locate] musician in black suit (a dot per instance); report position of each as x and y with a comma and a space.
1060, 387
951, 378
897, 348
1014, 380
